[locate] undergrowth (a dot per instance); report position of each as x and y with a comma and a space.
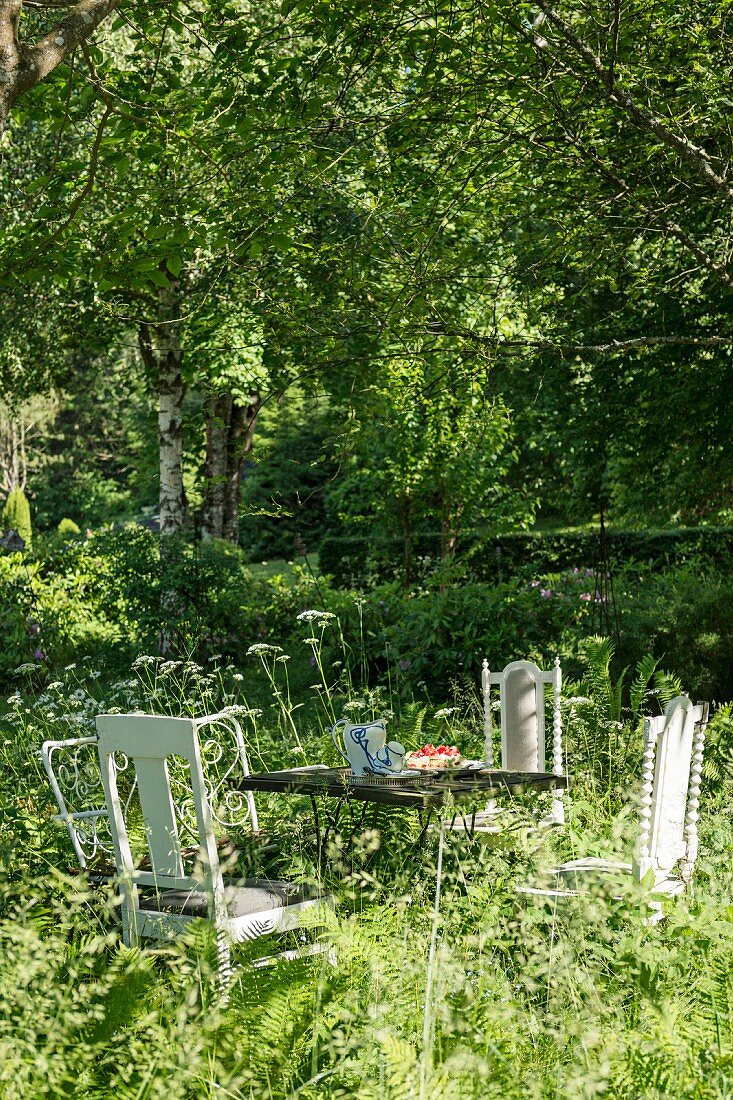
581, 1001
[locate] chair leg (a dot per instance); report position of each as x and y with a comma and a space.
130, 936
224, 963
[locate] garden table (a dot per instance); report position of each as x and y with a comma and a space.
424, 793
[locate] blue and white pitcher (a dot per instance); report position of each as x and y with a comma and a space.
365, 748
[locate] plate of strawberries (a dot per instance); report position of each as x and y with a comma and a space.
431, 757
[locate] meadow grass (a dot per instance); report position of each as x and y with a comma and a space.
525, 1001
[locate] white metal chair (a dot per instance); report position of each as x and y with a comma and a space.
72, 767
175, 795
522, 689
667, 841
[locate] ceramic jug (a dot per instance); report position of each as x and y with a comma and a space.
364, 747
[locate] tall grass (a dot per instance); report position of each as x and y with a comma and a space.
486, 996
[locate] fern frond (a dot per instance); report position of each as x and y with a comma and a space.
616, 694
668, 686
645, 669
598, 652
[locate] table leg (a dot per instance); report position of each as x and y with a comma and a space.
319, 846
332, 820
425, 818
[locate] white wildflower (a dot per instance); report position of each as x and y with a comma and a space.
283, 658
239, 710
27, 667
445, 712
55, 685
238, 677
354, 704
146, 659
259, 649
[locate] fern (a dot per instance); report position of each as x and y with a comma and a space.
412, 723
668, 686
645, 670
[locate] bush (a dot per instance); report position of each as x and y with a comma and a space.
684, 615
441, 634
17, 516
67, 528
109, 597
358, 559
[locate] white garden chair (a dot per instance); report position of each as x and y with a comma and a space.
522, 688
667, 841
72, 767
176, 797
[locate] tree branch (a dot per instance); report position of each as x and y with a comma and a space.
630, 344
693, 154
25, 64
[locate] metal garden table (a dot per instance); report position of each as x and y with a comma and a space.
356, 795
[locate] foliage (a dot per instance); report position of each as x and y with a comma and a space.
355, 558
67, 527
524, 1002
294, 460
432, 450
16, 515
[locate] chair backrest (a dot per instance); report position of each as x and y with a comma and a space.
72, 767
184, 786
522, 687
673, 752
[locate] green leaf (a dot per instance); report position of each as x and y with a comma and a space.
174, 264
159, 278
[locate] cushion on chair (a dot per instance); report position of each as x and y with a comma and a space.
246, 898
520, 703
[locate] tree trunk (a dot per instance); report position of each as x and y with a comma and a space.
230, 430
218, 413
406, 521
160, 347
241, 441
448, 532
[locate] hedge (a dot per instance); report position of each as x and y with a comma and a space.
360, 560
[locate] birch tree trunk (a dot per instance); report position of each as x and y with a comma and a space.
160, 346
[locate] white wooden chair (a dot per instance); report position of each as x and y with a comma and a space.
667, 841
522, 687
166, 757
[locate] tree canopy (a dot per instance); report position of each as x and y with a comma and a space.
524, 208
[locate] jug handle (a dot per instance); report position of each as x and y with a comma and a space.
339, 747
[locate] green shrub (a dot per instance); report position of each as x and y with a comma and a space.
359, 559
67, 527
441, 634
17, 515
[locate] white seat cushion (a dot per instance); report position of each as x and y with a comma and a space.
244, 899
